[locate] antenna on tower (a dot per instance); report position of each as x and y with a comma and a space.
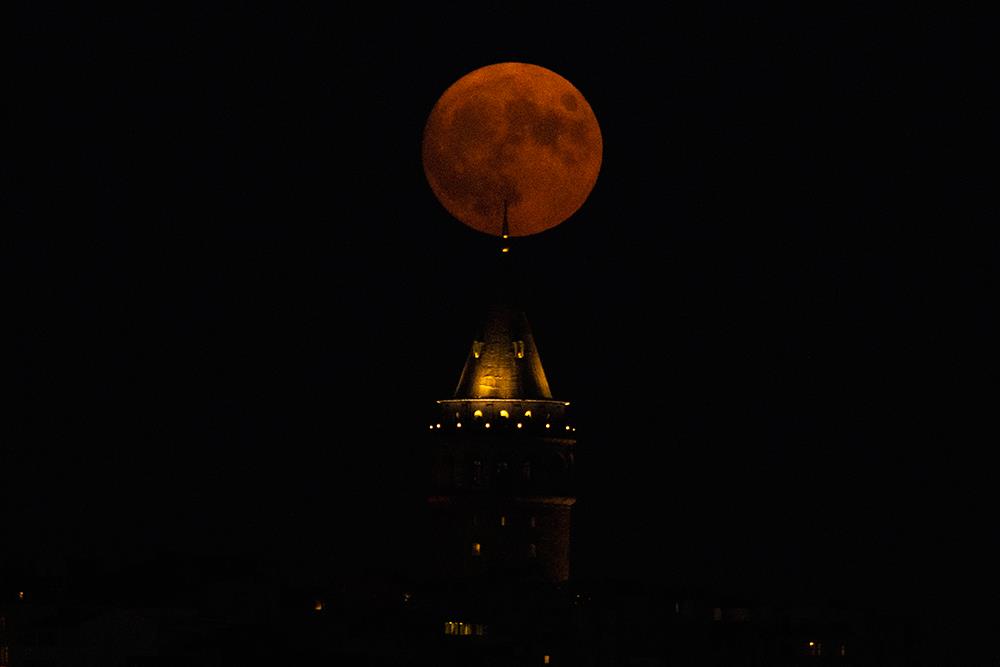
505, 230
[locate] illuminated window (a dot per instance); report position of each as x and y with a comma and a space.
20, 595
503, 520
478, 414
477, 348
463, 629
814, 648
527, 414
504, 414
532, 551
318, 605
546, 660
519, 349
477, 549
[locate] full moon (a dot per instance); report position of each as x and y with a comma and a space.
514, 135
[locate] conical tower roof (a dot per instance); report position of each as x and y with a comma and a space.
503, 361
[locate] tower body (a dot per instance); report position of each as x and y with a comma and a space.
501, 453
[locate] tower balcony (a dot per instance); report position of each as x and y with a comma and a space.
508, 416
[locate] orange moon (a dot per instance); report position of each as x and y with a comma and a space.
514, 133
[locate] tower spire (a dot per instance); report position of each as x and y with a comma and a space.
505, 230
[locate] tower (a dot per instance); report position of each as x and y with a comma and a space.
501, 457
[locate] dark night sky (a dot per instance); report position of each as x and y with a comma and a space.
233, 296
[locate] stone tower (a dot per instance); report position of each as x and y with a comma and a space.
502, 460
